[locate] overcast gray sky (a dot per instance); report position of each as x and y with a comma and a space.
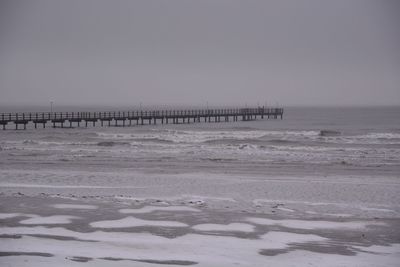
298, 52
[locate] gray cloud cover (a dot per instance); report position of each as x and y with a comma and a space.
188, 52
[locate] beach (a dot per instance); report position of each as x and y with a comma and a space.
319, 188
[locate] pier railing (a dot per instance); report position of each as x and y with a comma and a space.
149, 116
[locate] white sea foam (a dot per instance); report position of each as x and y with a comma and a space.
183, 136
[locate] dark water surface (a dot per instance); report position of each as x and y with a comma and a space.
326, 139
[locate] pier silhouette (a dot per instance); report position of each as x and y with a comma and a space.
139, 117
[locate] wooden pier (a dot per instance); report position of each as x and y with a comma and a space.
125, 118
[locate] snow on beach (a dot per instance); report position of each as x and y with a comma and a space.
232, 227
36, 219
74, 206
199, 238
314, 224
149, 209
227, 221
135, 222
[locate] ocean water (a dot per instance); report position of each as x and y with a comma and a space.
306, 141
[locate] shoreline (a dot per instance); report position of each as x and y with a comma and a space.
353, 196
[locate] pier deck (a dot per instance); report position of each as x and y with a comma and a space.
125, 118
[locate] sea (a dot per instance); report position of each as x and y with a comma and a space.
313, 138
